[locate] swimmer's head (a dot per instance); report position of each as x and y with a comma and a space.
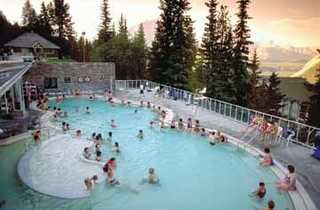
116, 144
180, 120
140, 131
261, 184
271, 204
151, 170
86, 149
95, 177
63, 123
110, 134
112, 159
87, 108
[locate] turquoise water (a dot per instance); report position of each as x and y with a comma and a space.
193, 174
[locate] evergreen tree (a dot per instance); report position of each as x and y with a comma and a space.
209, 48
43, 26
224, 84
314, 113
63, 27
105, 32
139, 54
123, 29
173, 50
274, 95
7, 30
256, 101
241, 54
29, 16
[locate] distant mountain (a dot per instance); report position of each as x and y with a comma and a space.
268, 52
277, 53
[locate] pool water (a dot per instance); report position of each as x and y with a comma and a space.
193, 174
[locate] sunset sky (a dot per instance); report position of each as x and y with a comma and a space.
286, 22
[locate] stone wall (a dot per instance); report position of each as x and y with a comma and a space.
72, 76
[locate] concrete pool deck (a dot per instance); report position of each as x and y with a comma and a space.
308, 169
55, 167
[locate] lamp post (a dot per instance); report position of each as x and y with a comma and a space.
84, 47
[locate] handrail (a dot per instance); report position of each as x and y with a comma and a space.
241, 114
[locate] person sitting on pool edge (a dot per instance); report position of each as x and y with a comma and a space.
261, 191
173, 124
289, 182
37, 137
266, 158
140, 135
197, 126
212, 138
180, 124
90, 182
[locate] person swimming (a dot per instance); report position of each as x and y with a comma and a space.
151, 124
90, 182
87, 110
93, 136
140, 134
98, 154
152, 177
141, 104
266, 158
261, 191
109, 138
113, 124
271, 205
136, 111
86, 153
116, 147
78, 133
212, 138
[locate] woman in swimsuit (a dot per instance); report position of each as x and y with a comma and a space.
289, 182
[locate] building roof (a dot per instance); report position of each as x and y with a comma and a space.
309, 71
9, 75
29, 39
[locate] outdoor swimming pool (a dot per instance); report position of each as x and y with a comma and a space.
193, 174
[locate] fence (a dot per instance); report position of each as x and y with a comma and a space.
304, 134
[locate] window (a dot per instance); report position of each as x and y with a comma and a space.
67, 80
50, 83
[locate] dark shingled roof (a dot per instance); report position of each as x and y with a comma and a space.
29, 39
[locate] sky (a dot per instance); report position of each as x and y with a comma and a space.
284, 22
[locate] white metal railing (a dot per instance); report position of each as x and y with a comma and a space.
304, 134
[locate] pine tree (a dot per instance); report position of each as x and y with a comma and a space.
224, 84
274, 95
256, 101
63, 26
29, 16
173, 50
209, 48
139, 54
241, 53
314, 113
105, 32
123, 29
43, 26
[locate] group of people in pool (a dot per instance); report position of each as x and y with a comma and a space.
266, 131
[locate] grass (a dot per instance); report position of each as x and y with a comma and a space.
284, 69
